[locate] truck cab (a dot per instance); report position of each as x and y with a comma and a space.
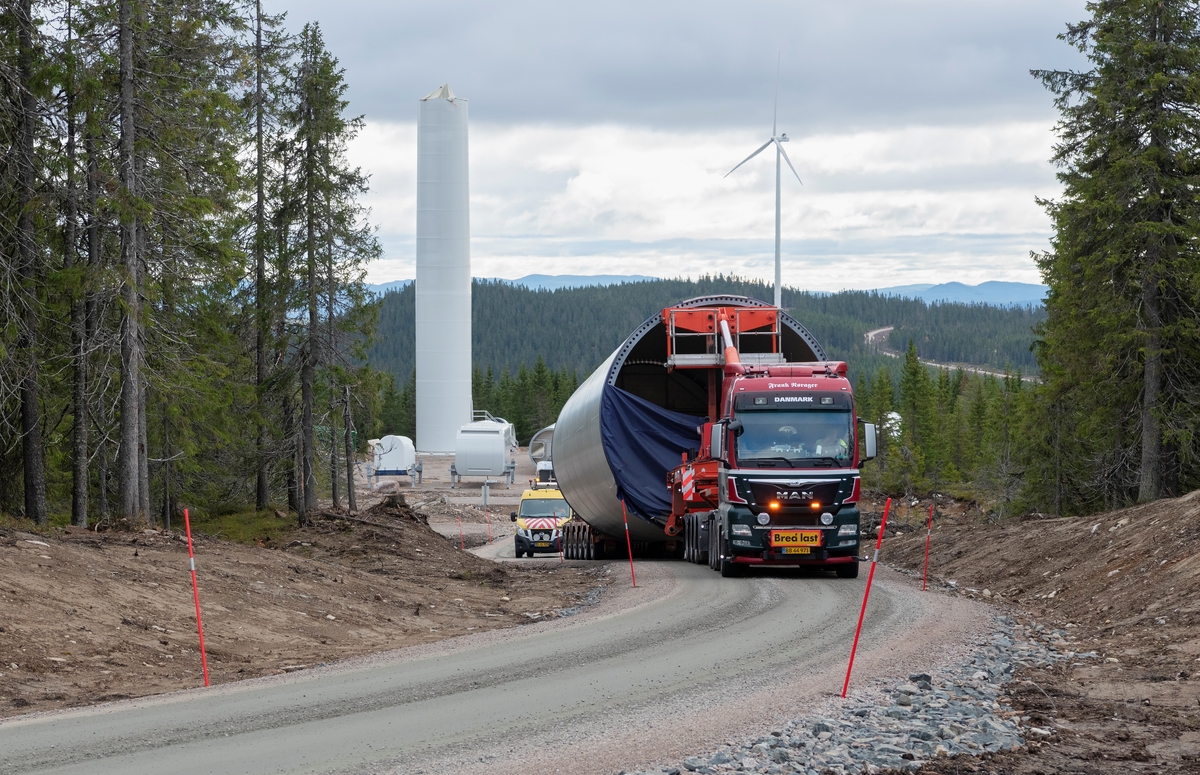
788, 479
540, 519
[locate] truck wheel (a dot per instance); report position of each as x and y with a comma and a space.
687, 537
848, 571
713, 547
729, 569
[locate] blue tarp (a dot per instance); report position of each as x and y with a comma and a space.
642, 442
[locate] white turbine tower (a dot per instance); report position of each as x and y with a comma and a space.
778, 140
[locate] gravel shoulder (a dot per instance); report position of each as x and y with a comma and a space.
1123, 585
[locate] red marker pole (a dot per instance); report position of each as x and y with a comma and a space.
187, 523
628, 545
928, 531
870, 576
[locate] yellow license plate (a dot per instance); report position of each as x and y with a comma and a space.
797, 550
795, 538
542, 543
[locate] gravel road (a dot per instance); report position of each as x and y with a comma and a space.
671, 668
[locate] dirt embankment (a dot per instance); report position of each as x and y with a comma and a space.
1125, 585
87, 617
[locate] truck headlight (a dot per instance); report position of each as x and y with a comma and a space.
764, 518
740, 530
848, 530
827, 518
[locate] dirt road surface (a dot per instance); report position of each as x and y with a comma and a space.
668, 668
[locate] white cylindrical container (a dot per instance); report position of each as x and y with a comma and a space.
443, 331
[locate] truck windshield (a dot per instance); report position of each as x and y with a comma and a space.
795, 438
545, 507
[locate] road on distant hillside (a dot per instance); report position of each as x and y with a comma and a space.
877, 339
670, 668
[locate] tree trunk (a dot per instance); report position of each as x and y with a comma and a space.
144, 457
128, 472
348, 421
32, 448
79, 404
1150, 480
308, 372
91, 311
262, 495
330, 298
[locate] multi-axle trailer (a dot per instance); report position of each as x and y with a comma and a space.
719, 432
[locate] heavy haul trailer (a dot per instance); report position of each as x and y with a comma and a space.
727, 437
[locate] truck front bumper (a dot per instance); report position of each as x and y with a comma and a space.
818, 556
523, 544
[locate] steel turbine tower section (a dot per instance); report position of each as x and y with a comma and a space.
443, 331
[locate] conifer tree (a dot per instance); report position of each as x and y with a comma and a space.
1121, 343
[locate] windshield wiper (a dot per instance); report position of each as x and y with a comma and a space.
765, 459
823, 461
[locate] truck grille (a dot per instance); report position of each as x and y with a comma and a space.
794, 494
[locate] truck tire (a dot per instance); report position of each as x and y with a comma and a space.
729, 569
701, 546
713, 547
689, 538
848, 571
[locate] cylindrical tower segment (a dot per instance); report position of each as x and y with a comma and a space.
443, 285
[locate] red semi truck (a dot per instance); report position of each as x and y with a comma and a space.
768, 475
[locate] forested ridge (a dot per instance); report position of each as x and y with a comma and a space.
577, 328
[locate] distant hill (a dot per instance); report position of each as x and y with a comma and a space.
552, 282
1001, 294
995, 292
548, 282
382, 288
577, 328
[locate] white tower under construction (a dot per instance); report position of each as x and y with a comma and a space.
443, 335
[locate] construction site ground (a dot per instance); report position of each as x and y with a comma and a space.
1125, 585
88, 616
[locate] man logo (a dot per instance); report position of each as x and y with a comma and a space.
795, 495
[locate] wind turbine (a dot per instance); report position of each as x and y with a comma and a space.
778, 140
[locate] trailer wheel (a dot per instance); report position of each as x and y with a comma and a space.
848, 571
699, 543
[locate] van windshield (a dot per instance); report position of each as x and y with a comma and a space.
804, 438
545, 507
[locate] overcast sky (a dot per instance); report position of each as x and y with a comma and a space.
600, 133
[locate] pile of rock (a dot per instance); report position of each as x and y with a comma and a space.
962, 712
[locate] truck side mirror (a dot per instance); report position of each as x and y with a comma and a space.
737, 427
869, 441
513, 516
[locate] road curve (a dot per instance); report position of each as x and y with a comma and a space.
664, 668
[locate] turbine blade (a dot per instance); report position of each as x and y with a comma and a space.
779, 145
775, 112
751, 156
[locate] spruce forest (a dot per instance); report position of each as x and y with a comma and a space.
183, 319
181, 299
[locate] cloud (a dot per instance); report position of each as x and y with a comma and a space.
878, 207
701, 63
